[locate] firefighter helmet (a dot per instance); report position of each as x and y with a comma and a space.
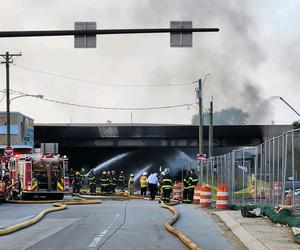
77, 173
104, 172
131, 175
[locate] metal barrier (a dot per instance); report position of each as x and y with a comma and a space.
261, 174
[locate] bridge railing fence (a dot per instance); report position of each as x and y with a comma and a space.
267, 174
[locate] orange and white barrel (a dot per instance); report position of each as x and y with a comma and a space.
205, 196
222, 196
196, 197
178, 191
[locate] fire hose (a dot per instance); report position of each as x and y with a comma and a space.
168, 226
57, 206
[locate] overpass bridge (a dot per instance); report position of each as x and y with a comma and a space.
152, 135
90, 145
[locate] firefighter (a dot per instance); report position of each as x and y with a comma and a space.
92, 182
104, 183
144, 183
166, 186
71, 175
193, 180
82, 174
109, 181
77, 183
131, 184
186, 184
113, 182
6, 173
121, 181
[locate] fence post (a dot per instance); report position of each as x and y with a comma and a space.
269, 174
261, 171
293, 169
243, 194
284, 167
278, 162
273, 172
255, 173
233, 173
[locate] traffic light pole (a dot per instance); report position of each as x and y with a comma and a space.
7, 57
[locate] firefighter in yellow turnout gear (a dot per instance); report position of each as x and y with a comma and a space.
166, 187
131, 184
144, 183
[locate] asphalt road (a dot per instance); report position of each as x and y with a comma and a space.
135, 224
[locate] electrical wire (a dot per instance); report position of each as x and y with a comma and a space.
2, 97
126, 85
110, 108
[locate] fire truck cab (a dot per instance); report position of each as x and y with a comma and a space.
39, 176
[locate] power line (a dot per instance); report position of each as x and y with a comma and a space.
125, 85
111, 108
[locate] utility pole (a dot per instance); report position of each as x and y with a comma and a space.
199, 95
211, 130
8, 59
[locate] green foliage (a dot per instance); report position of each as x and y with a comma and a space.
229, 116
296, 124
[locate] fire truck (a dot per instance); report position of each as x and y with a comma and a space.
37, 176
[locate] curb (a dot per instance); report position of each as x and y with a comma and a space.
168, 226
248, 239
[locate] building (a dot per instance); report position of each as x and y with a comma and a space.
21, 130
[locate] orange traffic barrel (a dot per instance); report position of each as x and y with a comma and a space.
196, 197
178, 191
222, 196
205, 196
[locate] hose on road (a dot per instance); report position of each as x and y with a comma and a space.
168, 226
57, 206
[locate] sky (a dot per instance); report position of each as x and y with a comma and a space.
254, 56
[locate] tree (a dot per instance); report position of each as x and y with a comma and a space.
296, 124
228, 116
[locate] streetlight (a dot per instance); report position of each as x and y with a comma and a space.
8, 116
27, 95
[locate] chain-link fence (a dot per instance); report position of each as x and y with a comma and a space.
267, 174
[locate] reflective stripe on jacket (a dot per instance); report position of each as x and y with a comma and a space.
193, 180
121, 179
104, 181
113, 181
167, 182
186, 182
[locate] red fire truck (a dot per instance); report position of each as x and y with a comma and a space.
38, 176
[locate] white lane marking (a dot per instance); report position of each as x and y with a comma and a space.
98, 238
